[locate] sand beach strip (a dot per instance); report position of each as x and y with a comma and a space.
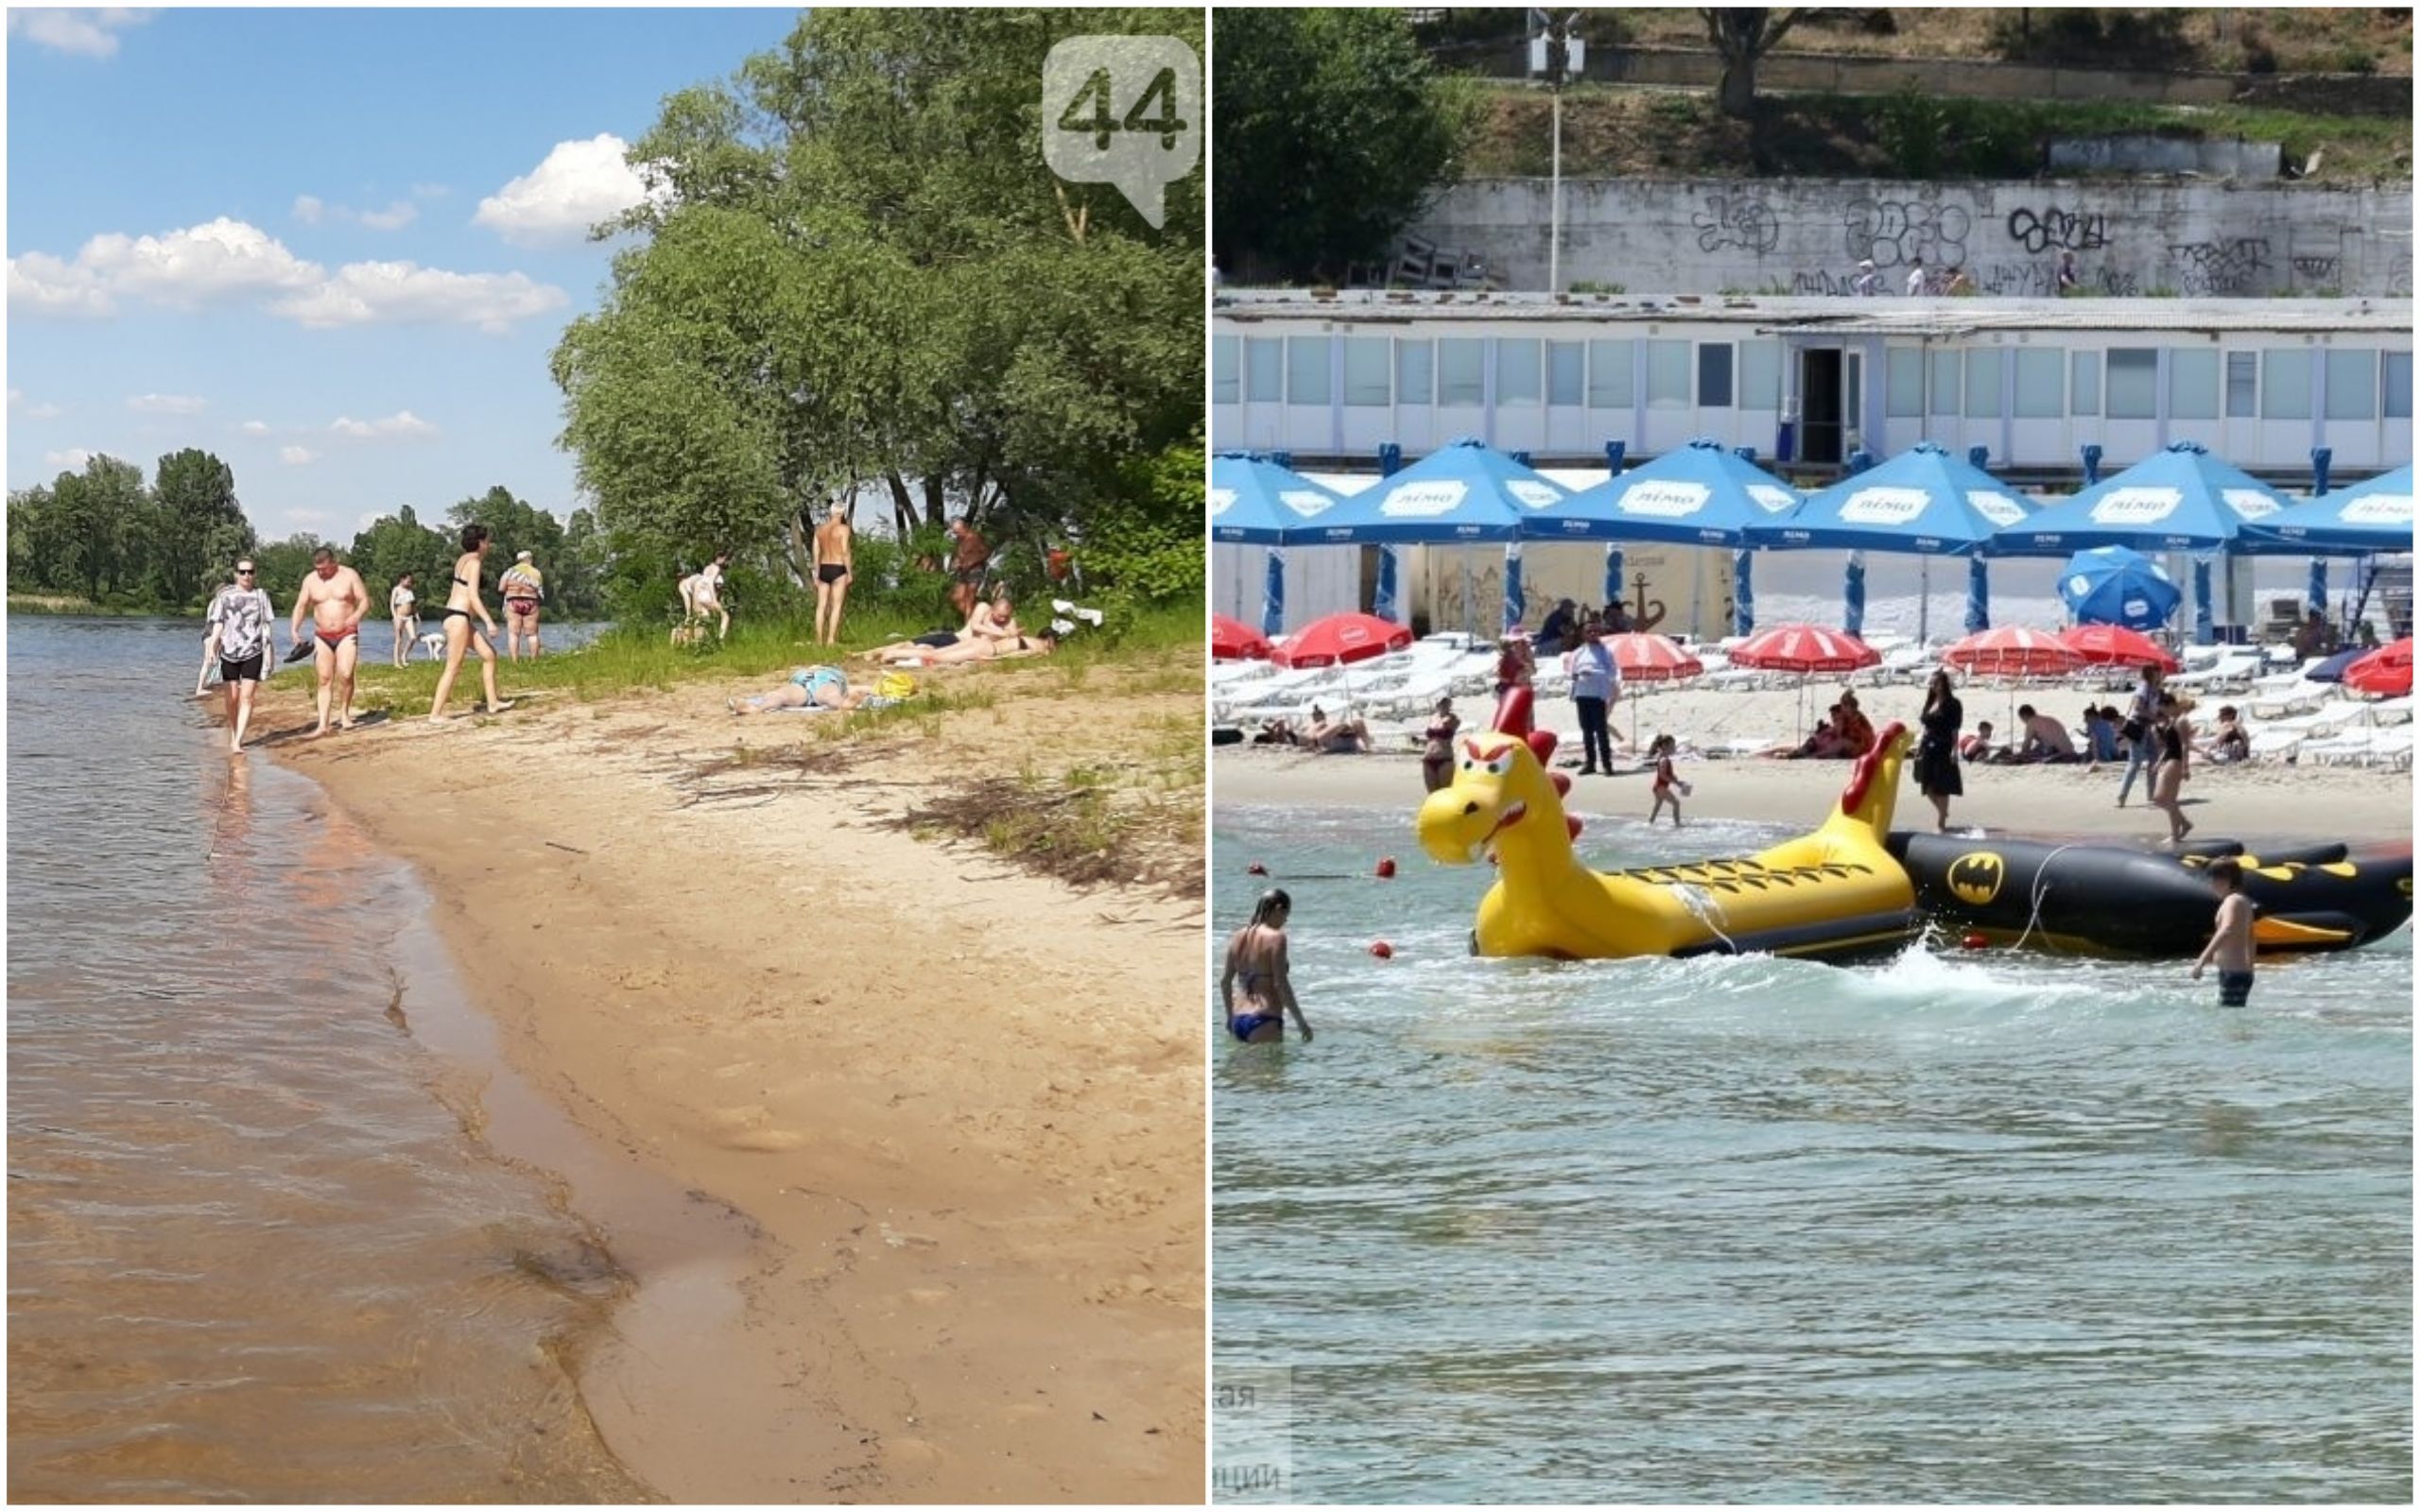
953, 1105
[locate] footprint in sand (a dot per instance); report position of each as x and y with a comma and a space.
749, 1129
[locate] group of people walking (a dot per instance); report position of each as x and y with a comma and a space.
238, 635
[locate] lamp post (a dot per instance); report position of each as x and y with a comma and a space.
1556, 54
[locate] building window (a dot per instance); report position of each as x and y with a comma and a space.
1516, 371
2285, 383
1307, 369
1714, 375
2084, 383
2243, 385
1567, 372
1902, 383
1945, 383
2133, 390
1667, 375
1460, 382
1365, 372
2394, 381
2352, 385
1612, 374
1415, 373
1263, 370
2041, 384
1761, 375
2192, 382
1983, 384
1225, 387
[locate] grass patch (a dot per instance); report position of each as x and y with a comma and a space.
1610, 132
1075, 828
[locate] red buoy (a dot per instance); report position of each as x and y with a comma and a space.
1256, 870
1974, 940
1383, 950
1386, 866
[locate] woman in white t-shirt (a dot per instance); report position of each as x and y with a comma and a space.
402, 608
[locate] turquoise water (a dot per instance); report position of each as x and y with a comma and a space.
1963, 1226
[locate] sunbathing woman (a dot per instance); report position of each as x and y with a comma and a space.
808, 688
991, 648
988, 620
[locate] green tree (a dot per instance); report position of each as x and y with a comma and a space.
1331, 131
861, 273
197, 527
284, 564
398, 543
1742, 37
94, 536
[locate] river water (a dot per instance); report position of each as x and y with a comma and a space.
1992, 1226
258, 1249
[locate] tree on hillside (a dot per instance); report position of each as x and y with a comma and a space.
1742, 37
1331, 131
858, 269
199, 527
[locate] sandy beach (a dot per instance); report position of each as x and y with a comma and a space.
2256, 800
952, 1109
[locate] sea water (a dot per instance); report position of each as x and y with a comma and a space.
258, 1249
1959, 1227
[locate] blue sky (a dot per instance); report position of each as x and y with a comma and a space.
333, 247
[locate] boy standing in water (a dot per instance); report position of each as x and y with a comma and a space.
2231, 943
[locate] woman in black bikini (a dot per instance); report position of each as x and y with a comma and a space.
1437, 756
1256, 953
462, 630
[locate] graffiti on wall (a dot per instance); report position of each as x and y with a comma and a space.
1895, 233
2231, 266
2043, 231
2317, 271
2016, 281
1737, 220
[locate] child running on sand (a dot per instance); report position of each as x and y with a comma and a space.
2231, 940
1668, 789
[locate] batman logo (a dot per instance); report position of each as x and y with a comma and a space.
1975, 878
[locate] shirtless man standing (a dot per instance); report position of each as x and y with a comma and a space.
969, 556
334, 598
2230, 944
833, 568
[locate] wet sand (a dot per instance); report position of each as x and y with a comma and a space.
953, 1110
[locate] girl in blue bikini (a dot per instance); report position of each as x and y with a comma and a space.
819, 687
1256, 953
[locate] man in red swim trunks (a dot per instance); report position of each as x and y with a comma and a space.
334, 598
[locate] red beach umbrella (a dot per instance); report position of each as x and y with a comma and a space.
1232, 640
1338, 639
1803, 648
2012, 651
2116, 645
2386, 670
1644, 657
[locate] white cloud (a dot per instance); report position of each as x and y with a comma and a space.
401, 425
309, 209
73, 459
394, 217
167, 404
228, 262
92, 33
393, 293
254, 427
44, 411
297, 455
578, 185
430, 191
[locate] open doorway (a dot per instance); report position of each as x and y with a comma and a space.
1819, 384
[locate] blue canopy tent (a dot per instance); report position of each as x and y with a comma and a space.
2179, 498
1463, 494
1923, 502
2367, 517
1255, 502
1694, 495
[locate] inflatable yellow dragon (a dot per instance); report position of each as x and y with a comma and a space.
1835, 892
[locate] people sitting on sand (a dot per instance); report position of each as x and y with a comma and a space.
820, 687
1978, 746
990, 620
2314, 637
2045, 738
1850, 727
1560, 628
2100, 735
1825, 742
2230, 742
1277, 731
1336, 737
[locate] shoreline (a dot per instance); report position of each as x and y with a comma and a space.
915, 1250
2261, 802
